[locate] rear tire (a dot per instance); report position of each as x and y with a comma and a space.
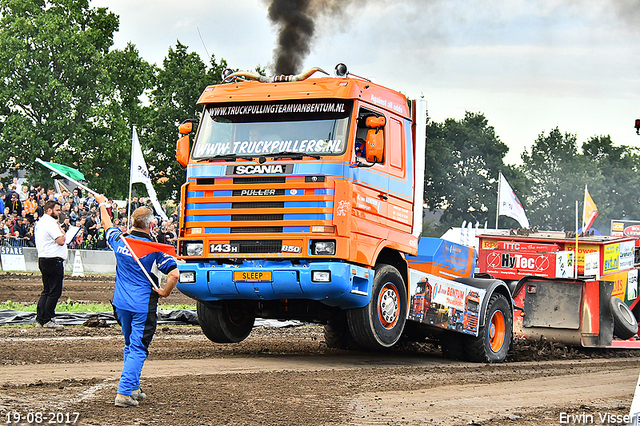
494, 338
625, 325
380, 324
231, 323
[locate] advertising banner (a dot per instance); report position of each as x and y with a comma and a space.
625, 228
12, 259
445, 304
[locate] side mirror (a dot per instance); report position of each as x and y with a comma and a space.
375, 139
186, 128
183, 145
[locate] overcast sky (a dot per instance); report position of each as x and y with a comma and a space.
528, 65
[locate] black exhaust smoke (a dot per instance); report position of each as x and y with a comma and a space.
296, 20
294, 37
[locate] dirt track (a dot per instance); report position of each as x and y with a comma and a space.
288, 376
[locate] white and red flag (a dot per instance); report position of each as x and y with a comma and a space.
509, 204
141, 248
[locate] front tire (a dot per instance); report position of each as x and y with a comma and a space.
231, 323
337, 334
380, 324
494, 338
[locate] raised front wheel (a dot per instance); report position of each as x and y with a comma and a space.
380, 323
230, 323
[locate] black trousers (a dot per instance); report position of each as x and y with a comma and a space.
52, 269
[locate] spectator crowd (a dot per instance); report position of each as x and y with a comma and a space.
22, 205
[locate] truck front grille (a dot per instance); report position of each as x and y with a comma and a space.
257, 230
270, 206
258, 246
254, 180
259, 205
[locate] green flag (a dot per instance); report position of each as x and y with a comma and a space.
62, 170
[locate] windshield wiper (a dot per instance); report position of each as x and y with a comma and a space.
294, 155
231, 158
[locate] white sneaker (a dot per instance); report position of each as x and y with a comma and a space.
54, 325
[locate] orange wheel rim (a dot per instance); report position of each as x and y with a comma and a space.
388, 306
496, 331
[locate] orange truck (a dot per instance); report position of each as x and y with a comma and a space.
303, 201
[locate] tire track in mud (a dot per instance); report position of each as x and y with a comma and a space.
478, 403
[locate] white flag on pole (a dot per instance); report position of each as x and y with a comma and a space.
140, 174
509, 205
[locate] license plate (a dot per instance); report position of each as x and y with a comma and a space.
255, 276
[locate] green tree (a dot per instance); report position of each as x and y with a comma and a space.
557, 174
616, 193
64, 97
463, 158
179, 84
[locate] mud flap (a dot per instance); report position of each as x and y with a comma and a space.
552, 304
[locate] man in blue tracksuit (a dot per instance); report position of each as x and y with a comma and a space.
134, 299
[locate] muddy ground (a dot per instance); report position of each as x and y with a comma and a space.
287, 376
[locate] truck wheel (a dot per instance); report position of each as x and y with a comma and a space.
625, 325
380, 323
494, 338
337, 334
231, 323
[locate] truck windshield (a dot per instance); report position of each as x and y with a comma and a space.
306, 128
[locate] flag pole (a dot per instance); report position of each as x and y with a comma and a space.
66, 177
584, 209
575, 261
153, 283
130, 184
498, 203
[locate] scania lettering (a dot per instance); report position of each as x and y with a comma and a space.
252, 170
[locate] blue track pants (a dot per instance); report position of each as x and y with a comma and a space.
138, 330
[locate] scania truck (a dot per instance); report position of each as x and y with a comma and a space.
304, 200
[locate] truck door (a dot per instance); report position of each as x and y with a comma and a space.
370, 183
398, 155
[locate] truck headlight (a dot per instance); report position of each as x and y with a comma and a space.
323, 248
193, 248
187, 277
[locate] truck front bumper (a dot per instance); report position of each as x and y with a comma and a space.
346, 286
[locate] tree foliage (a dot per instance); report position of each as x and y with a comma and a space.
557, 175
67, 97
463, 158
179, 84
52, 61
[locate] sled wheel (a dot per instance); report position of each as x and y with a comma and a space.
230, 323
380, 323
625, 325
494, 338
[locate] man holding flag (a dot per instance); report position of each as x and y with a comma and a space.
136, 293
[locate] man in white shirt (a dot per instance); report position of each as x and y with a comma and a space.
52, 252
